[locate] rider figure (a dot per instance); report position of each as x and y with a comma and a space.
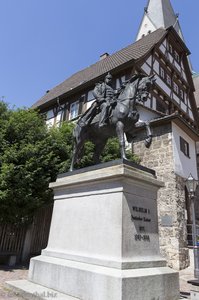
104, 95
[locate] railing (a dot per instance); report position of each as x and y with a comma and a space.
40, 230
11, 239
17, 240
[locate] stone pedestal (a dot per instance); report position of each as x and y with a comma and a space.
104, 242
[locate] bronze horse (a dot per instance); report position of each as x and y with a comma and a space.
123, 119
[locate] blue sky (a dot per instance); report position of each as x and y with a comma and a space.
45, 41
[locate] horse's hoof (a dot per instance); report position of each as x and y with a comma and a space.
147, 143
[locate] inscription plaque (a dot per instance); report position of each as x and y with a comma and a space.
167, 221
143, 216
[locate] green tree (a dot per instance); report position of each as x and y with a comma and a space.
31, 156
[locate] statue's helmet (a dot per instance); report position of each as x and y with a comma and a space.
109, 76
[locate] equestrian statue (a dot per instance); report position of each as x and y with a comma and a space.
113, 113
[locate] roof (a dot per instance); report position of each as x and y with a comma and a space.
128, 54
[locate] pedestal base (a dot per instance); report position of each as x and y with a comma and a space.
104, 242
92, 282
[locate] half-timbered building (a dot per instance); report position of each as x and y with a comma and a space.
171, 108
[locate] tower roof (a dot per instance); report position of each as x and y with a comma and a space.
157, 14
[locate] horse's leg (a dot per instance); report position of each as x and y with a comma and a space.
148, 139
120, 134
78, 144
74, 156
99, 147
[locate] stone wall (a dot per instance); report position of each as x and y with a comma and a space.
171, 198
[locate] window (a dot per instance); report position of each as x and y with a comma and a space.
50, 114
90, 96
174, 53
119, 81
176, 88
168, 79
74, 110
184, 147
182, 94
176, 56
50, 118
170, 49
162, 73
90, 99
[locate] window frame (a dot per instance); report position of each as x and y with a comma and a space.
162, 72
168, 80
76, 105
184, 147
176, 88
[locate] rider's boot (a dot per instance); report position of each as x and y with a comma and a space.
103, 117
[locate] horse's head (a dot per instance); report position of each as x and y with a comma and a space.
145, 84
137, 88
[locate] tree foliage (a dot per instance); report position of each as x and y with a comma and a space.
31, 156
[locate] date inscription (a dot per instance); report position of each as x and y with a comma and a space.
141, 214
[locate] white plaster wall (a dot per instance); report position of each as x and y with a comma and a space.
149, 60
50, 122
183, 165
146, 68
156, 66
176, 98
146, 115
162, 48
177, 66
170, 57
88, 104
148, 103
145, 27
191, 114
59, 118
183, 106
161, 83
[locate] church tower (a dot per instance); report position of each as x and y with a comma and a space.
157, 14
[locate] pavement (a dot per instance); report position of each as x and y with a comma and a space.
21, 272
11, 273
